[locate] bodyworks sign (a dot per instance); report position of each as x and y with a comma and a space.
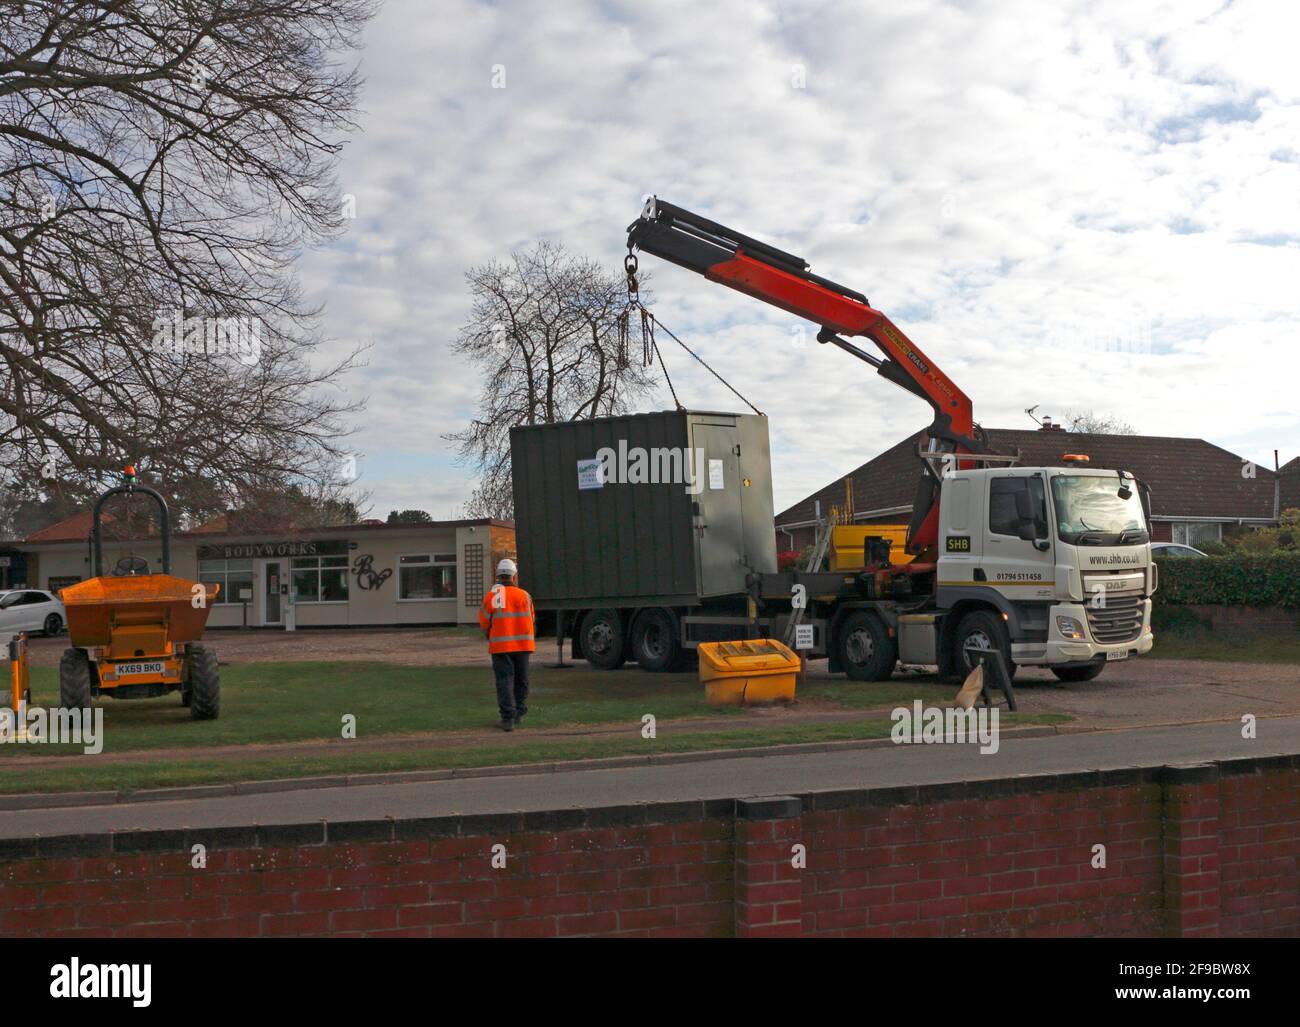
250, 550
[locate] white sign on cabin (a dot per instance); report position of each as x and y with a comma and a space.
589, 474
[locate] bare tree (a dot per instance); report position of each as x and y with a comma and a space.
161, 165
542, 332
1089, 422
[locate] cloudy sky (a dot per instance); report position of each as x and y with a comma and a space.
1079, 206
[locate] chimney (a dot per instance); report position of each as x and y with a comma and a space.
1049, 425
1277, 489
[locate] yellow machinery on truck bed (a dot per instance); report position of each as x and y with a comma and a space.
134, 634
849, 544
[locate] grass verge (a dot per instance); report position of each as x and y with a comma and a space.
1246, 647
197, 770
295, 702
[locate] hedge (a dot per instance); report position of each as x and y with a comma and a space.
1231, 580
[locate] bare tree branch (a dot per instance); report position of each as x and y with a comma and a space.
542, 334
162, 164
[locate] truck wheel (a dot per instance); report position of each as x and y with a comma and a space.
867, 653
655, 645
983, 629
74, 680
603, 641
205, 684
1083, 672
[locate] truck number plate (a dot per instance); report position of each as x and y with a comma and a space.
1116, 654
139, 668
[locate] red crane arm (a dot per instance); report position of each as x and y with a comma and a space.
785, 281
846, 315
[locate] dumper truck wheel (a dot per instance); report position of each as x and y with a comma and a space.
205, 684
1082, 672
982, 629
604, 642
867, 653
74, 680
655, 645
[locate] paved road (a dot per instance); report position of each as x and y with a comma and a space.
714, 779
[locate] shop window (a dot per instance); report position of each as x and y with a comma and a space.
320, 579
231, 575
427, 576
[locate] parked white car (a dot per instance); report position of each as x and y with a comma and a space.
28, 609
1174, 549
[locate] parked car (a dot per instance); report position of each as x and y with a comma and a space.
1159, 549
28, 609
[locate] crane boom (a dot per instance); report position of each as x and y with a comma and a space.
753, 267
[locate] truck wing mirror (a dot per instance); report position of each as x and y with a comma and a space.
1025, 530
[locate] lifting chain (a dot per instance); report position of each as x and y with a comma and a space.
624, 319
649, 348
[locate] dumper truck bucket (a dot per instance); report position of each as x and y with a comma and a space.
101, 606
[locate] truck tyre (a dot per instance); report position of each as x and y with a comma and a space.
604, 642
655, 643
1082, 672
986, 629
74, 680
205, 684
866, 651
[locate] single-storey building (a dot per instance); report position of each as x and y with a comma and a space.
368, 574
1197, 489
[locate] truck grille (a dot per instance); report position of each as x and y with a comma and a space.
1119, 621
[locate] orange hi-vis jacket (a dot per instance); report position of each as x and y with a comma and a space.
508, 617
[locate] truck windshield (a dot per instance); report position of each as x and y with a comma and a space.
1090, 511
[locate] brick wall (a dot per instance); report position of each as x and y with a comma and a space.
1210, 849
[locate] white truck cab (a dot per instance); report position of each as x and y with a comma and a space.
1050, 564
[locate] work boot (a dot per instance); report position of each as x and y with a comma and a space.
506, 724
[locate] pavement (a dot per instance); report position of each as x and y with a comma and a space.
799, 772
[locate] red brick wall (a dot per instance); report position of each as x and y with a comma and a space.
1259, 834
1017, 866
638, 880
1211, 849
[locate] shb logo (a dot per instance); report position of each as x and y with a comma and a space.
107, 980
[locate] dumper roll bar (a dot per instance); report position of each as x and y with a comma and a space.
784, 280
164, 522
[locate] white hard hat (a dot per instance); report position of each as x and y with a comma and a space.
507, 569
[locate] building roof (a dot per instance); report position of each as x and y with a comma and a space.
77, 529
1289, 483
1188, 477
71, 529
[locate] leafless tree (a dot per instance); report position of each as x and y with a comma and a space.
542, 333
1090, 422
161, 165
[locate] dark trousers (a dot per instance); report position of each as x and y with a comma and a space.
511, 670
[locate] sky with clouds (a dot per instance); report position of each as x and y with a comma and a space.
1079, 206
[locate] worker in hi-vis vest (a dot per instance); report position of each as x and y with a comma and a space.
508, 621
